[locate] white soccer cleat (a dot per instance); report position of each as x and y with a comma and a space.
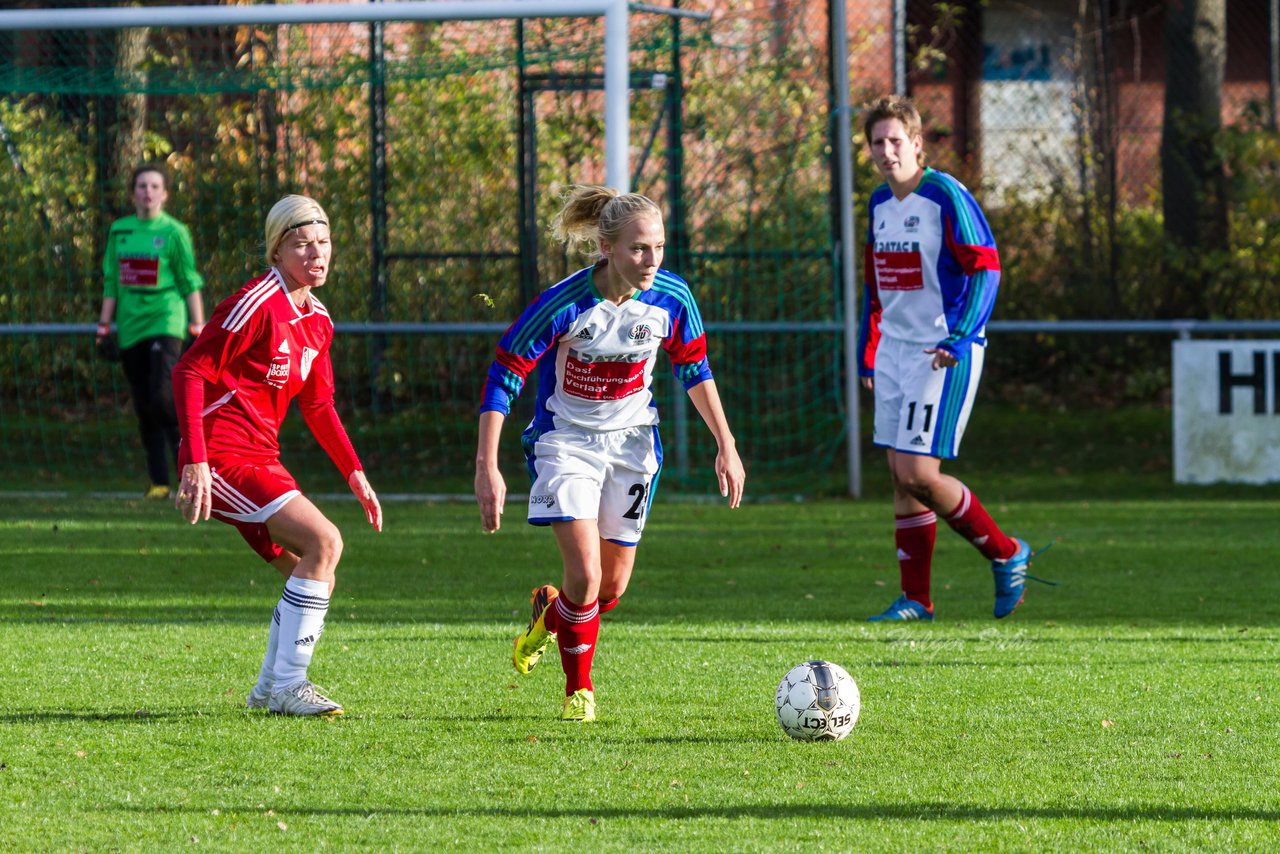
259, 697
303, 699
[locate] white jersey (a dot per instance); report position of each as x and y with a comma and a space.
595, 358
932, 269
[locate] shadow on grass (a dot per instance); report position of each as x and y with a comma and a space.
142, 617
1252, 621
1252, 618
64, 715
821, 811
733, 741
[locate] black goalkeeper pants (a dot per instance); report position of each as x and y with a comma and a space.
149, 365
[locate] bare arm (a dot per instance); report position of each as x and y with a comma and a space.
105, 317
491, 489
108, 310
195, 313
729, 471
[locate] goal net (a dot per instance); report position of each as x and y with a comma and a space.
439, 150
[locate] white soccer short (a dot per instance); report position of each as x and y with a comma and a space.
607, 476
920, 410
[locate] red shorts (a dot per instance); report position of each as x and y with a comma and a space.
246, 495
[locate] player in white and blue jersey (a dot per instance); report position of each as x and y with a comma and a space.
592, 447
931, 275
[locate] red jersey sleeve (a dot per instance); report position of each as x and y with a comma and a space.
316, 403
205, 361
188, 400
869, 327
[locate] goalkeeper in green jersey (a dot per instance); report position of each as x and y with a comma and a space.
152, 289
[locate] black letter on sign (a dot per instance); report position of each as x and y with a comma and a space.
1256, 381
1275, 382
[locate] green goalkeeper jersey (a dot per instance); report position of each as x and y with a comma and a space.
149, 269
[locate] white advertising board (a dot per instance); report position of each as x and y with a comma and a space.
1226, 411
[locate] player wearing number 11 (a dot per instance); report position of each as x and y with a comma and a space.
932, 270
592, 447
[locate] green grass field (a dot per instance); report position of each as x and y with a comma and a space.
1132, 707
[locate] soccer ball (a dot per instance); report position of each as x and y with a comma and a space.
817, 701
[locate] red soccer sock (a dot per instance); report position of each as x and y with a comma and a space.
577, 629
550, 617
971, 521
915, 534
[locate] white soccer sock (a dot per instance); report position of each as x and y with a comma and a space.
302, 607
266, 676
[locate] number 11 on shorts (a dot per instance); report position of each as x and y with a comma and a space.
926, 410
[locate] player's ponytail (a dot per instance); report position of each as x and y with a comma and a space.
592, 213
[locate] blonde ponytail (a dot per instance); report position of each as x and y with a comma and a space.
593, 213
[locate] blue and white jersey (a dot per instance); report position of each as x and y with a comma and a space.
931, 269
595, 358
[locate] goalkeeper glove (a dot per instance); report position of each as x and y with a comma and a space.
105, 343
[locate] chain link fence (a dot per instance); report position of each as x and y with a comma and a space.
439, 151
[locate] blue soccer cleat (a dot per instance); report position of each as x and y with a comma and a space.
1011, 579
903, 610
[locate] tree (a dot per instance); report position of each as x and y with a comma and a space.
1194, 181
131, 109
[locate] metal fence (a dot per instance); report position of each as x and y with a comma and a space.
440, 149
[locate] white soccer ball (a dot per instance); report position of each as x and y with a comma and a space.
817, 701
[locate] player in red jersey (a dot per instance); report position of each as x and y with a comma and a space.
265, 346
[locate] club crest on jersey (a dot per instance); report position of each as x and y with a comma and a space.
640, 332
911, 223
157, 242
308, 356
278, 372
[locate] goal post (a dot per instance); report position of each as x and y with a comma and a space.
617, 114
